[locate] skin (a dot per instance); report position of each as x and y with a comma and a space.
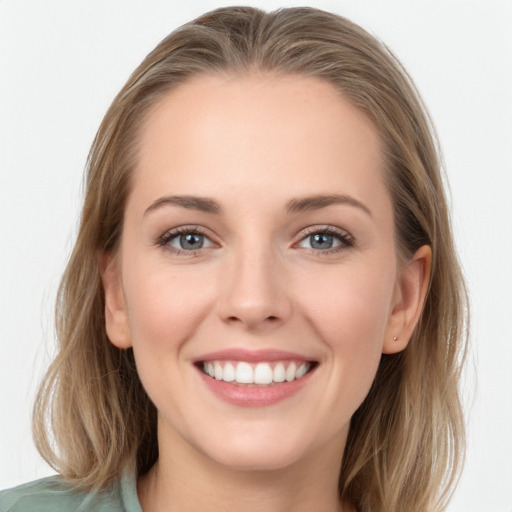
253, 144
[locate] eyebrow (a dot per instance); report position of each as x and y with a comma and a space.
207, 205
202, 204
321, 201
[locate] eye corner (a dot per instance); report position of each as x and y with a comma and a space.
333, 239
184, 247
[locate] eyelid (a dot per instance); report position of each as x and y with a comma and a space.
169, 235
177, 237
345, 238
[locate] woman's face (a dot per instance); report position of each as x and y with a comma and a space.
258, 244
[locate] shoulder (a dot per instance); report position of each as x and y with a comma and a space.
54, 493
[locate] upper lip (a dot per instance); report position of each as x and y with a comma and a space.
251, 356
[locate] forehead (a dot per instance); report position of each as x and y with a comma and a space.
219, 131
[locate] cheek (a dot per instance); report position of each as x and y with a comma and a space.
352, 306
165, 309
351, 313
164, 306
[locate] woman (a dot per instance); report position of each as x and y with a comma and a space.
264, 305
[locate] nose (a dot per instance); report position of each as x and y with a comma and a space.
255, 294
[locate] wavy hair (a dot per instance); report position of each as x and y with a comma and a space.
406, 441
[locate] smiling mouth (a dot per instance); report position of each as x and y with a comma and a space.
262, 374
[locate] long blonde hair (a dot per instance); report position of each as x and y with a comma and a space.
406, 440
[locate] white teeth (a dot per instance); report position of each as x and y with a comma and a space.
263, 374
301, 371
256, 373
218, 370
208, 368
244, 373
229, 373
279, 373
290, 372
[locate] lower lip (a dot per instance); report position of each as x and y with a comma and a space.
254, 396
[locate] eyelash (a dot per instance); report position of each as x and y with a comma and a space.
346, 240
167, 237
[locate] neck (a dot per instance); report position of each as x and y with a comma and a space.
184, 479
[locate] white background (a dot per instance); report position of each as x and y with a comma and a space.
62, 62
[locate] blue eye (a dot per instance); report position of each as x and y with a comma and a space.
322, 241
184, 240
188, 242
327, 240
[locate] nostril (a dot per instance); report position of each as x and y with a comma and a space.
237, 319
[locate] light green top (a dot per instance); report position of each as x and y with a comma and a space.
53, 495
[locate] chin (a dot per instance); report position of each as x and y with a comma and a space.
256, 452
257, 461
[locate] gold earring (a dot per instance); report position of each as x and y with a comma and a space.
395, 338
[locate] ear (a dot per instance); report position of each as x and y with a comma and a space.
116, 317
410, 292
